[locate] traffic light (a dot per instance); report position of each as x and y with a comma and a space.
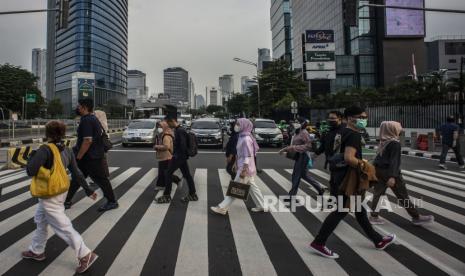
351, 13
63, 14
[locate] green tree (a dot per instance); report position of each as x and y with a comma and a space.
238, 104
15, 82
55, 108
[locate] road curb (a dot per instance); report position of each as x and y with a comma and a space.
429, 155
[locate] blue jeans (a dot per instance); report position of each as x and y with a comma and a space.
301, 171
445, 150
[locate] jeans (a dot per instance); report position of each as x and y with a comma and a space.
51, 211
456, 149
254, 192
300, 171
173, 165
400, 190
333, 219
96, 170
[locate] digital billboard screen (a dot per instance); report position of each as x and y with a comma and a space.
405, 23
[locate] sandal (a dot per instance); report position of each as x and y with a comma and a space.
190, 197
163, 199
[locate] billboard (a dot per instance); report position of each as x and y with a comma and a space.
405, 23
319, 58
319, 36
86, 88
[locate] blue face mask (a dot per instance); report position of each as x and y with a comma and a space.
361, 123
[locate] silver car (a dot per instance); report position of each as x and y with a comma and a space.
267, 132
141, 131
208, 132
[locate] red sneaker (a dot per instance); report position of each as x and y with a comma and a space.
31, 255
86, 262
386, 242
323, 251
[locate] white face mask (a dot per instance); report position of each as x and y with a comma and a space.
237, 128
160, 130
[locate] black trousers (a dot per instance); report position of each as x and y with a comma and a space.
162, 167
335, 217
184, 167
95, 169
229, 167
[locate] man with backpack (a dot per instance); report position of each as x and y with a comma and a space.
89, 152
184, 146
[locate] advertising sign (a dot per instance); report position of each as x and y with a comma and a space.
320, 56
320, 47
85, 88
319, 36
321, 66
405, 23
30, 98
320, 75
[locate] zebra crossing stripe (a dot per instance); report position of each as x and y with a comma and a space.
459, 180
379, 260
462, 174
2, 173
132, 256
13, 177
437, 196
246, 237
427, 184
11, 257
194, 239
433, 255
100, 228
430, 178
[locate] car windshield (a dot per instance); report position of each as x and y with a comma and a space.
264, 124
205, 125
141, 125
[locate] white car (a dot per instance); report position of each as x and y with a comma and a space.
141, 131
267, 132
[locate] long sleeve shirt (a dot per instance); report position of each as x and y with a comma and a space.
246, 155
301, 142
390, 159
44, 157
232, 144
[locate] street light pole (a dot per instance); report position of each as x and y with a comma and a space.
258, 80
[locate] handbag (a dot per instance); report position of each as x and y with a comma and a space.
50, 182
107, 144
238, 190
292, 155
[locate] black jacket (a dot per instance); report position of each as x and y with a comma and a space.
232, 144
389, 161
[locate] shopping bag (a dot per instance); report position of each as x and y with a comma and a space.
238, 190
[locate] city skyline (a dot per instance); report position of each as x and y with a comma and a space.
214, 45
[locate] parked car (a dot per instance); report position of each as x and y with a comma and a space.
141, 131
208, 132
267, 133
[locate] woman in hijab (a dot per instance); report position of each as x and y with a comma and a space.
388, 172
247, 149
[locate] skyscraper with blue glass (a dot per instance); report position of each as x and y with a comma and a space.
96, 42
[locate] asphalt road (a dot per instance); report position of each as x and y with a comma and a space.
186, 239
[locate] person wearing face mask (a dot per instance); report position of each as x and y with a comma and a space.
351, 148
246, 171
301, 145
164, 153
330, 142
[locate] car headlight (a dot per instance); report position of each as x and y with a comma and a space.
257, 136
217, 135
279, 136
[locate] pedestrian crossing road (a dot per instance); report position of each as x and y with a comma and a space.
141, 237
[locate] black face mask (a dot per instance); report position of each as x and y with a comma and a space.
333, 124
77, 111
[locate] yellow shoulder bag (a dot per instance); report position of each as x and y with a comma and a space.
50, 182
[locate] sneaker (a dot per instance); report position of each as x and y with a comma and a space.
86, 262
421, 220
108, 206
68, 205
376, 220
190, 197
388, 240
164, 199
462, 167
323, 251
443, 166
259, 210
219, 210
31, 255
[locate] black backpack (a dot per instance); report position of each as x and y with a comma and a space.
192, 147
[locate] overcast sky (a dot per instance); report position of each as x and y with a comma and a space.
203, 36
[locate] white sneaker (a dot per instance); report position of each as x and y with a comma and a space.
259, 210
219, 210
443, 166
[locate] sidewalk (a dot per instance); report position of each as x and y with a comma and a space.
420, 153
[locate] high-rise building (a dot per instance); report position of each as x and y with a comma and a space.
226, 83
445, 53
191, 93
176, 85
213, 96
280, 14
95, 42
137, 88
264, 55
244, 84
249, 83
39, 69
199, 101
368, 55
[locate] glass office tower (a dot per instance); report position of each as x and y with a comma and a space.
96, 41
